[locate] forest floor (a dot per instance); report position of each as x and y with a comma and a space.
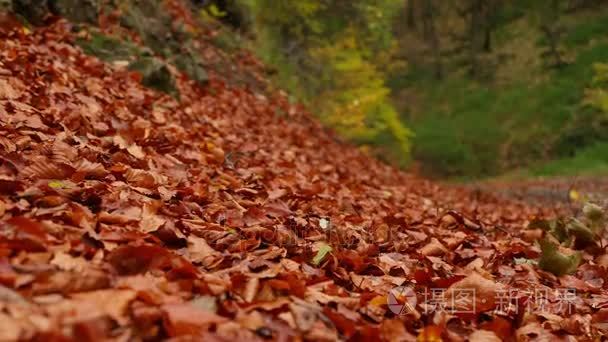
129, 214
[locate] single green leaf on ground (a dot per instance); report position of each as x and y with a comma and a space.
324, 249
556, 262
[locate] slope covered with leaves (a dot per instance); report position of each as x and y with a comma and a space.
126, 214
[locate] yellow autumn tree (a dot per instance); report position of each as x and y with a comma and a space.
329, 54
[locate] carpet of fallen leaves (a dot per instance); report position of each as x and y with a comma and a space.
126, 214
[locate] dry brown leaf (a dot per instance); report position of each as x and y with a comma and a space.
186, 319
534, 332
433, 248
7, 91
144, 179
43, 168
150, 222
394, 330
483, 336
89, 169
199, 251
86, 306
473, 294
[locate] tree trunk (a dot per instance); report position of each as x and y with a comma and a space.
430, 34
553, 40
476, 35
411, 14
551, 31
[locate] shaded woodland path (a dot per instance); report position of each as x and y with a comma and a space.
563, 191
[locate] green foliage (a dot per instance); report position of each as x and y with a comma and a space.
556, 262
166, 38
331, 55
215, 11
109, 48
523, 114
562, 236
322, 252
585, 31
597, 95
592, 159
541, 12
155, 74
440, 147
470, 129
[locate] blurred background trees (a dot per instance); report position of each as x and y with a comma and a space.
500, 85
476, 87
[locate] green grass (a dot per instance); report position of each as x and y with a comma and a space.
585, 31
592, 160
468, 129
